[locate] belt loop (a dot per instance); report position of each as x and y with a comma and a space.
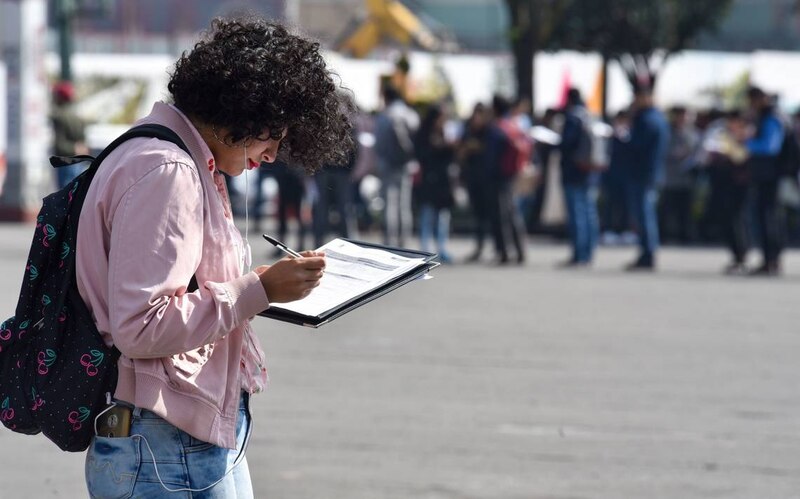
137, 412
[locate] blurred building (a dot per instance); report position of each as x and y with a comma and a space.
481, 25
149, 26
478, 25
757, 25
141, 26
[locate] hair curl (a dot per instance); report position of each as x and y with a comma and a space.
254, 79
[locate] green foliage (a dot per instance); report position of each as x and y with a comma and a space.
732, 95
128, 114
639, 33
735, 94
632, 31
641, 27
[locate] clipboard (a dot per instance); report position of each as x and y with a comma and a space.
430, 261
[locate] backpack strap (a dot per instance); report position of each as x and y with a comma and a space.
147, 130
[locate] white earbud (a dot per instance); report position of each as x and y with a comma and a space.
247, 254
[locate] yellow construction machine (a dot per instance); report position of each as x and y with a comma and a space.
390, 19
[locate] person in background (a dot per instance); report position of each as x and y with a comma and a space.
365, 173
725, 159
470, 154
291, 197
435, 190
677, 193
334, 188
394, 128
526, 180
616, 216
521, 114
541, 157
578, 179
712, 126
648, 150
764, 148
69, 131
505, 219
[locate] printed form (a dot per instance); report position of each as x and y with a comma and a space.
350, 271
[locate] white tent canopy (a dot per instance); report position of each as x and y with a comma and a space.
690, 78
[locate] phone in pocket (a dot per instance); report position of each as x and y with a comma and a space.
115, 421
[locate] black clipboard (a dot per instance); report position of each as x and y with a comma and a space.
430, 262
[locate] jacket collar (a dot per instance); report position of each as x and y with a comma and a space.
171, 117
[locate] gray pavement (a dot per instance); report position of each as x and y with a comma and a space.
519, 382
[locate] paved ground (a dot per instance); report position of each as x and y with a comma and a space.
516, 383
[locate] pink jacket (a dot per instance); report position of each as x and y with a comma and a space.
153, 217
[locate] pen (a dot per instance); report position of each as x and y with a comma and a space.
289, 251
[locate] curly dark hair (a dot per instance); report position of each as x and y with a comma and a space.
254, 79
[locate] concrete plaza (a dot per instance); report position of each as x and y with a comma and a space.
515, 383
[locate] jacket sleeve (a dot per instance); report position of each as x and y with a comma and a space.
156, 247
769, 139
403, 132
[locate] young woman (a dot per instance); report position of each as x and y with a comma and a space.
156, 218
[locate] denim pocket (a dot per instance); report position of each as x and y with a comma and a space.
112, 465
196, 445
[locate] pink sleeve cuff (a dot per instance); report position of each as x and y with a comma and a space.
245, 295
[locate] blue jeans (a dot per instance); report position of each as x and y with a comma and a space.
583, 221
396, 192
643, 201
333, 191
65, 174
159, 460
438, 219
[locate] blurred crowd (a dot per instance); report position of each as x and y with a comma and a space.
688, 178
679, 175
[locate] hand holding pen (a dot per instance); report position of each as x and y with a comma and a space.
292, 278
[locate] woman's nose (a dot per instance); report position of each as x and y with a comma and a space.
271, 151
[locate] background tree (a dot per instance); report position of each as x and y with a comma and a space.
640, 34
532, 26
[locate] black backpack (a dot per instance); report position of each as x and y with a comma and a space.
56, 373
